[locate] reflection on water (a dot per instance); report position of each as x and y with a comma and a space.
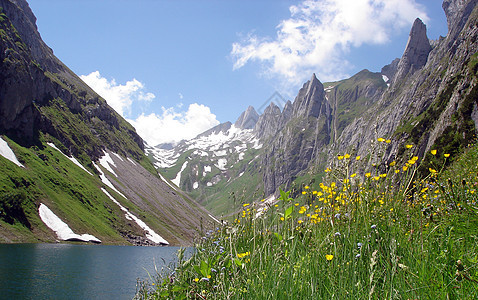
66, 271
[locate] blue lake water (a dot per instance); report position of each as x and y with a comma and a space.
68, 271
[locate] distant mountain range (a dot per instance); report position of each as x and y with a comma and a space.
427, 98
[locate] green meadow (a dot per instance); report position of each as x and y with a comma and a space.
394, 231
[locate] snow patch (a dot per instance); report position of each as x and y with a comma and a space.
241, 155
150, 234
177, 180
117, 155
131, 161
220, 153
212, 217
195, 185
73, 159
7, 152
106, 181
62, 230
385, 78
167, 182
106, 161
221, 164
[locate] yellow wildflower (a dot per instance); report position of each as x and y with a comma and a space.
353, 175
432, 170
393, 163
408, 146
347, 156
329, 257
241, 255
388, 141
433, 152
246, 204
368, 174
381, 140
306, 187
340, 157
446, 155
327, 170
357, 158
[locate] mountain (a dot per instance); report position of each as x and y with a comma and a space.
72, 168
427, 98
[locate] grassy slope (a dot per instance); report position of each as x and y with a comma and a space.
73, 194
390, 235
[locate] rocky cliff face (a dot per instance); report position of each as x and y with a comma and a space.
32, 80
248, 119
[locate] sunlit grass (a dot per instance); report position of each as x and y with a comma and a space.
380, 233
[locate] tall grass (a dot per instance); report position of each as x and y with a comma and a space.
383, 233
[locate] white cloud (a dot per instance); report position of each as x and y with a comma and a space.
118, 96
320, 33
172, 126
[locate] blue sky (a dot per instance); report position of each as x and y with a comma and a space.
177, 68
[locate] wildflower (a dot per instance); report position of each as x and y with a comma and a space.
357, 158
306, 187
353, 175
368, 175
393, 163
241, 255
397, 171
196, 279
327, 170
433, 171
373, 226
409, 146
246, 204
337, 234
206, 278
300, 221
329, 257
381, 140
359, 245
446, 155
340, 157
388, 141
357, 256
304, 192
347, 156
433, 152
337, 216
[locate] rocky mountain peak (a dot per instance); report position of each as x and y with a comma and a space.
308, 102
416, 52
248, 119
268, 123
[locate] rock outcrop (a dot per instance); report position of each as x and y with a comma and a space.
416, 52
248, 119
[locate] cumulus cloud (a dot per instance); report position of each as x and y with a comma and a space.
319, 34
171, 126
119, 96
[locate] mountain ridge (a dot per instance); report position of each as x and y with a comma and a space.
426, 98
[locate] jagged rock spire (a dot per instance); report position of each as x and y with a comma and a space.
310, 98
416, 52
248, 119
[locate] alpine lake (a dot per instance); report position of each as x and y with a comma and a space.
78, 271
